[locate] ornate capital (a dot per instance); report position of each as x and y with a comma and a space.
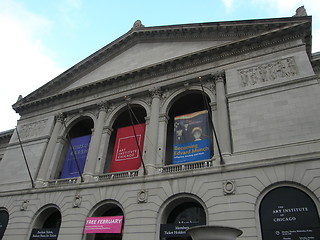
155, 92
60, 117
219, 77
103, 106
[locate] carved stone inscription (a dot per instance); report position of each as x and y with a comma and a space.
273, 71
32, 129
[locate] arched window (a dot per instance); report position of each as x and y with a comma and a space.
4, 219
180, 215
107, 213
128, 131
288, 213
188, 123
47, 223
75, 150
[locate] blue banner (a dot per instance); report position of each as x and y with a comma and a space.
80, 147
191, 137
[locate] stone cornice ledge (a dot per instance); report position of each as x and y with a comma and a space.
273, 37
216, 169
275, 85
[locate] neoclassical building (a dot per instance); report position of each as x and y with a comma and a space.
167, 128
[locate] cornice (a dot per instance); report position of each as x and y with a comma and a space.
6, 134
315, 61
251, 43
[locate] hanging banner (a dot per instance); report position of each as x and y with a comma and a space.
80, 147
126, 154
191, 137
44, 234
103, 224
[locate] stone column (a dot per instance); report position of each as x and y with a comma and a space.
43, 171
223, 116
162, 138
102, 157
153, 131
94, 147
58, 159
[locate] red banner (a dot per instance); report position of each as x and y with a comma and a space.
126, 154
103, 224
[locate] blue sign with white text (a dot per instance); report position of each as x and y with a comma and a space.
80, 147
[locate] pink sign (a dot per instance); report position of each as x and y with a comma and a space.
103, 224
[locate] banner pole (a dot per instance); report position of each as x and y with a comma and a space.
25, 159
137, 142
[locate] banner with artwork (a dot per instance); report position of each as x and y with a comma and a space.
191, 137
126, 154
103, 224
80, 147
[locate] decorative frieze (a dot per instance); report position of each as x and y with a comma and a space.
33, 129
268, 72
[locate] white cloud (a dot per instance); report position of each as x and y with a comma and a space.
25, 63
228, 5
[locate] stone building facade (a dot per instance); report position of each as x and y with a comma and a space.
257, 79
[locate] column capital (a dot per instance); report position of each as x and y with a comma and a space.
103, 106
155, 92
219, 77
60, 117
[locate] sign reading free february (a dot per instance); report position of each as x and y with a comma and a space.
103, 224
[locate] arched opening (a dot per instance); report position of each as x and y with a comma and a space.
105, 223
288, 213
179, 216
128, 130
189, 122
47, 224
75, 151
4, 219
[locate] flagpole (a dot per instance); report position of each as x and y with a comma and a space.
137, 142
25, 159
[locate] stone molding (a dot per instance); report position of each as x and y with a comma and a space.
194, 59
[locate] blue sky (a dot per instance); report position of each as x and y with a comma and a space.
42, 38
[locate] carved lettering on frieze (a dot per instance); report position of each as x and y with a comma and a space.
268, 72
32, 129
